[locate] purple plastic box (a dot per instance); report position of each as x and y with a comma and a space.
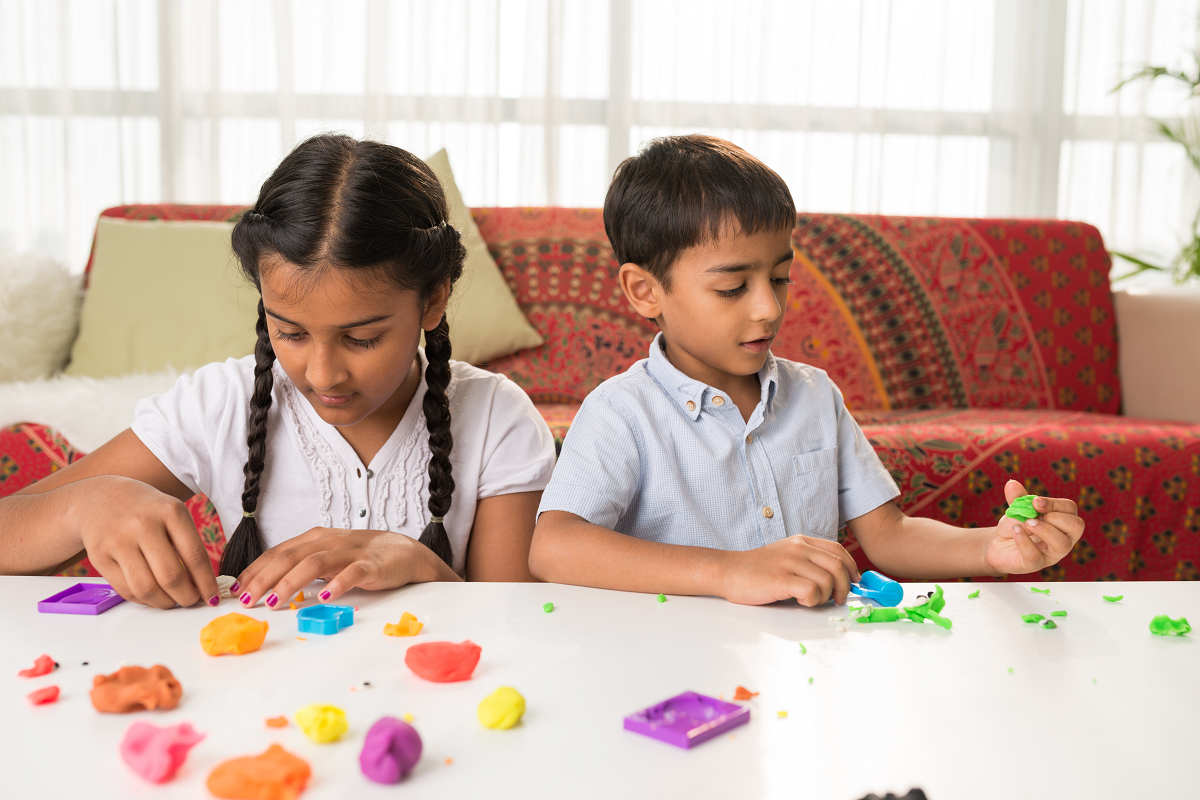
82, 598
687, 719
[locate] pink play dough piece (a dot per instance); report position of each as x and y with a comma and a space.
156, 753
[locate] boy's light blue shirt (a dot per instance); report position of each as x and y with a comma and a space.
657, 455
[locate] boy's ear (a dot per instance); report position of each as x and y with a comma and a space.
435, 307
642, 290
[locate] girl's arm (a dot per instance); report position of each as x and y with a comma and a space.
500, 539
125, 510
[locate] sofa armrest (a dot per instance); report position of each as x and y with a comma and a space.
1159, 332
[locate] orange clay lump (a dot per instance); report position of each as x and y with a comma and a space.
233, 634
443, 662
273, 775
136, 689
407, 626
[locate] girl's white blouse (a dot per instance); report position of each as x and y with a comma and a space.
313, 478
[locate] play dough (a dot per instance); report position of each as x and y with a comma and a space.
273, 775
1165, 626
223, 584
1110, 598
321, 723
44, 696
392, 748
44, 665
1022, 508
234, 634
926, 607
503, 708
1039, 591
136, 689
407, 626
443, 662
277, 722
547, 607
873, 614
1049, 623
1032, 617
973, 595
156, 753
1058, 613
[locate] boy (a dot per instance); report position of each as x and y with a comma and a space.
712, 467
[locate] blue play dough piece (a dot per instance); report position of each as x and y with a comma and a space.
882, 590
324, 620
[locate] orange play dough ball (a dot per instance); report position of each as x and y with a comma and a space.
136, 689
273, 775
443, 662
233, 633
407, 626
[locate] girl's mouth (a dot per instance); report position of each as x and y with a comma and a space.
336, 400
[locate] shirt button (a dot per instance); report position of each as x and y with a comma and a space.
691, 406
362, 512
750, 439
370, 474
718, 401
767, 512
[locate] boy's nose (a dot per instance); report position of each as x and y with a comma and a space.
766, 307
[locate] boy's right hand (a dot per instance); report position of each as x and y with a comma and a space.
804, 567
144, 542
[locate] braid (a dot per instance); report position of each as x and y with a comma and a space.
246, 544
437, 418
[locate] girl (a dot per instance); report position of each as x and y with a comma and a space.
351, 251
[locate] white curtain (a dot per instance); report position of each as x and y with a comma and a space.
941, 107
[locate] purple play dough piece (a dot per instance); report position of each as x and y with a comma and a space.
687, 719
82, 598
391, 750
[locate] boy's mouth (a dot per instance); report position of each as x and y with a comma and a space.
759, 345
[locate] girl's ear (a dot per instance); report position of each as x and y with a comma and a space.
435, 307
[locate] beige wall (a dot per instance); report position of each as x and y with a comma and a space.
1159, 333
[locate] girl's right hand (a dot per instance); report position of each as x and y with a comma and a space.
144, 542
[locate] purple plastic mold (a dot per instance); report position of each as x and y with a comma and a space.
82, 598
687, 719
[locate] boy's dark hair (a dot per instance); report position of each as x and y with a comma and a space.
337, 202
680, 191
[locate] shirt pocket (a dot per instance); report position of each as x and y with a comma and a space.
816, 490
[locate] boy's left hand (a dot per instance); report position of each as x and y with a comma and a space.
1020, 547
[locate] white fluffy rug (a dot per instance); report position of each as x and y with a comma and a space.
88, 411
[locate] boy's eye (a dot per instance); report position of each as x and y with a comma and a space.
782, 281
732, 292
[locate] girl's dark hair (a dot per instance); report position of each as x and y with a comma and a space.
336, 202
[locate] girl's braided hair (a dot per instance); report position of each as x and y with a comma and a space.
337, 202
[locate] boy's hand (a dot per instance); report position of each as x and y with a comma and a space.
1021, 547
345, 558
806, 568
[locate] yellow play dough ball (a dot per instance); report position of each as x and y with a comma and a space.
502, 708
321, 723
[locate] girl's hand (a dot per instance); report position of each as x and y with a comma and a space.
142, 541
1021, 547
345, 558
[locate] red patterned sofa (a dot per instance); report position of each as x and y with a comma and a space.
970, 351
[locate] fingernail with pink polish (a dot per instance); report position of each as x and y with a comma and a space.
216, 598
245, 598
234, 587
324, 595
272, 599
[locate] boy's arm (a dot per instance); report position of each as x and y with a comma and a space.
569, 549
914, 547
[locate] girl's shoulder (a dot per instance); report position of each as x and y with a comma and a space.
472, 388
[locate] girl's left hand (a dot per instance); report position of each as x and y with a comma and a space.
344, 558
1021, 547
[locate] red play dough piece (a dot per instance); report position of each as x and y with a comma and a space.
443, 662
43, 696
273, 775
43, 666
134, 689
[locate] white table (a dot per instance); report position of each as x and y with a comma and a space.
1096, 708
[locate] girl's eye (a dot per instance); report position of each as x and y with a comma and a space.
288, 337
366, 344
732, 292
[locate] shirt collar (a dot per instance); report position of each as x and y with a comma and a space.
683, 390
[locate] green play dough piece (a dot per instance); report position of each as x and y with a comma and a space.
662, 598
810, 680
973, 595
1048, 623
918, 613
548, 607
1032, 617
1165, 626
1039, 591
872, 614
1022, 508
803, 649
1110, 598
1058, 613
